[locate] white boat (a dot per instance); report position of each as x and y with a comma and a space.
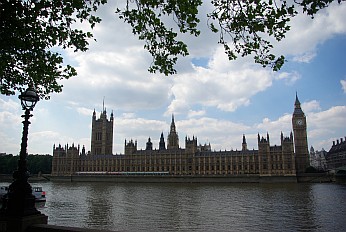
40, 195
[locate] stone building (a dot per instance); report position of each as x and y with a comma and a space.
300, 138
336, 156
194, 159
318, 160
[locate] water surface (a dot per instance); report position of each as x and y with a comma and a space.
196, 207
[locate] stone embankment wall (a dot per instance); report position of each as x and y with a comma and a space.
177, 179
315, 178
9, 178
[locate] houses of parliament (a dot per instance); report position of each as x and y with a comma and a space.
290, 158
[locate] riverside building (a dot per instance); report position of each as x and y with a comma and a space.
289, 158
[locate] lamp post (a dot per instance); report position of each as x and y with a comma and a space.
19, 201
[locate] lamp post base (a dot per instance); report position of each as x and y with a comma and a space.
19, 201
18, 210
20, 224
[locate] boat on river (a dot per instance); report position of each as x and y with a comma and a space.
40, 195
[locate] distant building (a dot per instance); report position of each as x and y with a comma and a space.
336, 156
318, 160
287, 159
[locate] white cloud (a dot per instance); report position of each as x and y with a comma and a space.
305, 57
324, 125
223, 85
116, 66
332, 118
10, 125
306, 34
84, 111
195, 113
343, 85
289, 78
311, 106
118, 69
128, 115
9, 105
8, 118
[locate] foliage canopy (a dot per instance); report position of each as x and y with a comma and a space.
30, 28
36, 164
28, 31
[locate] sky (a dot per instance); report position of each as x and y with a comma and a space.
212, 98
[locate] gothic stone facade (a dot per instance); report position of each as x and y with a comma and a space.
287, 159
336, 156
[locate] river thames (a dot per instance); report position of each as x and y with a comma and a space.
196, 207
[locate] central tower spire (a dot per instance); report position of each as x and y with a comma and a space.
173, 139
172, 125
103, 104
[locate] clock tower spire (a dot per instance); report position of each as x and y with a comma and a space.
300, 138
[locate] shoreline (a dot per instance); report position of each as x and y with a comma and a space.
9, 178
304, 178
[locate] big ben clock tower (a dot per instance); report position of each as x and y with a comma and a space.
300, 138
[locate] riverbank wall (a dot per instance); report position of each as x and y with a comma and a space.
176, 179
316, 177
9, 178
302, 178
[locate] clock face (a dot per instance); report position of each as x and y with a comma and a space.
299, 122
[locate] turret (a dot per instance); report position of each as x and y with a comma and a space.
191, 145
130, 147
258, 138
94, 115
287, 139
244, 144
162, 145
83, 151
149, 145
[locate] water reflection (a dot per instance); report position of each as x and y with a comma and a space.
329, 207
197, 207
98, 205
40, 205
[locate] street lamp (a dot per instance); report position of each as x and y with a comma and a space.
20, 201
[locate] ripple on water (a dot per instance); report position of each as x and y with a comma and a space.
197, 207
